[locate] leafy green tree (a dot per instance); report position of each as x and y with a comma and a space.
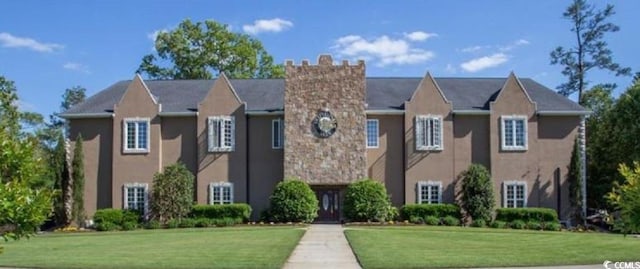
367, 200
477, 193
626, 198
625, 127
172, 195
77, 166
9, 114
202, 50
590, 50
59, 169
575, 184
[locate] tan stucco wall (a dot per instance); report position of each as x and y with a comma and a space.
97, 150
179, 142
471, 136
135, 167
265, 163
385, 163
428, 165
222, 166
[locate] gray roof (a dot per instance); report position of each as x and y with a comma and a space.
382, 94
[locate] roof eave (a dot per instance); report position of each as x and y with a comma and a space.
564, 113
178, 114
471, 112
384, 112
85, 115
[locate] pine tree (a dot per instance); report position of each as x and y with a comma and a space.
78, 182
575, 184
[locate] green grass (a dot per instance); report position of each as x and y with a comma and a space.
177, 248
426, 247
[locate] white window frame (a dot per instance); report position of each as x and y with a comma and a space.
503, 141
423, 133
125, 138
220, 186
277, 142
506, 185
125, 194
428, 184
377, 134
219, 146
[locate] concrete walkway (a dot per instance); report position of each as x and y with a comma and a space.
323, 246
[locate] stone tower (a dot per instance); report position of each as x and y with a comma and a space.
325, 122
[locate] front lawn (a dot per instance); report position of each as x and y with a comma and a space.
437, 246
243, 247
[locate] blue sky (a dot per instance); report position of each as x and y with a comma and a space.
48, 46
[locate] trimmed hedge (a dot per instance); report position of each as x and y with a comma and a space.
239, 212
407, 212
535, 214
115, 219
293, 201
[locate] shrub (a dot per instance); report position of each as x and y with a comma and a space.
477, 192
416, 220
478, 223
552, 226
498, 224
187, 223
367, 200
424, 210
527, 214
534, 225
173, 223
223, 222
203, 222
626, 198
129, 225
152, 224
239, 212
451, 221
106, 226
172, 194
431, 220
518, 224
110, 215
293, 201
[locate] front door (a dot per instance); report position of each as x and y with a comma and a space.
329, 204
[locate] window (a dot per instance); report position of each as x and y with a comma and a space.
514, 133
136, 135
428, 132
277, 134
221, 133
372, 133
220, 193
515, 194
135, 197
429, 192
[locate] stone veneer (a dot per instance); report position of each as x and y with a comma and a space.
340, 89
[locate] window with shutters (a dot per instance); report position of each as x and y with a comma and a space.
428, 130
221, 133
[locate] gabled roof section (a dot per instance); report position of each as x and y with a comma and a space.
429, 79
383, 93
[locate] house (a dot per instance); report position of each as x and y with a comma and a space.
329, 125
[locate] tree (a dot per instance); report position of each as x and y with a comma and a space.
626, 198
477, 193
203, 49
575, 184
172, 195
9, 114
77, 166
367, 200
590, 50
59, 169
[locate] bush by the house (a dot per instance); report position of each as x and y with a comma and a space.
407, 212
152, 224
552, 226
293, 201
114, 219
534, 225
223, 222
129, 225
431, 220
173, 223
527, 214
478, 223
518, 224
172, 194
203, 222
367, 200
238, 212
498, 224
416, 220
187, 223
450, 221
477, 192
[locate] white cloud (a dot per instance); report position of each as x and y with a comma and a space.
273, 25
485, 62
77, 67
450, 69
153, 35
419, 35
382, 50
514, 44
474, 48
8, 40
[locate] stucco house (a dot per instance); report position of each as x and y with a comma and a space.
329, 125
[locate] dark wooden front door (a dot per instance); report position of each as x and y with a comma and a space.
329, 204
